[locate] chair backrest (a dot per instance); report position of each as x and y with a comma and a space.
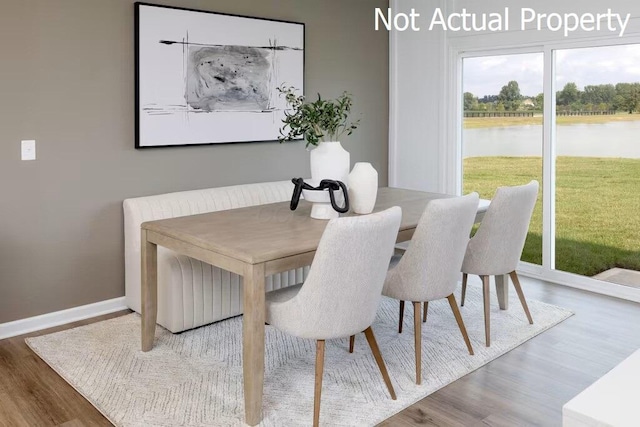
497, 246
342, 292
430, 267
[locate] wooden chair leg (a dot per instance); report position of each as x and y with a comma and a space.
516, 284
464, 288
458, 316
318, 387
487, 309
352, 341
424, 311
417, 331
401, 317
371, 339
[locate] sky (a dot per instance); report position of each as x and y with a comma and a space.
590, 66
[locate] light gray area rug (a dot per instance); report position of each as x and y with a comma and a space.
195, 378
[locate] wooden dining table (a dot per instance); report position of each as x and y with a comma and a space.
256, 242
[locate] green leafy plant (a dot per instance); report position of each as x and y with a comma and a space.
321, 120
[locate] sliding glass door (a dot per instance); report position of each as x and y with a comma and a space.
589, 144
597, 137
502, 130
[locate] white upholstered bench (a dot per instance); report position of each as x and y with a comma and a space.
192, 293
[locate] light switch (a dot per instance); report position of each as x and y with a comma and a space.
29, 149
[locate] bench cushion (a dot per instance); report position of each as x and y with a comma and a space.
192, 293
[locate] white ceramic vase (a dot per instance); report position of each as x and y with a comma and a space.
363, 188
321, 203
329, 161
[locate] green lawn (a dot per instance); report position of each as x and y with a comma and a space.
597, 208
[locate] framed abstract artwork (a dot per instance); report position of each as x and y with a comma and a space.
211, 78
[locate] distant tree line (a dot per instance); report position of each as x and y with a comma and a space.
605, 97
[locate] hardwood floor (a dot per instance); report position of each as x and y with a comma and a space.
526, 386
529, 385
32, 394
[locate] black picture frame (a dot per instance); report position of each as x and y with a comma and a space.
206, 78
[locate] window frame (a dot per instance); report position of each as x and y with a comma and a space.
468, 48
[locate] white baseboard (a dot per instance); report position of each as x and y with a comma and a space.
57, 318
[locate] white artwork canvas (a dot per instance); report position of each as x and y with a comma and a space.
211, 78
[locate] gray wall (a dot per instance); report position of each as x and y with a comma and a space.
67, 80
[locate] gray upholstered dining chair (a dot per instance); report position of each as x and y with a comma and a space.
497, 246
430, 267
343, 289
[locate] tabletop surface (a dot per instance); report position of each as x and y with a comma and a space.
268, 232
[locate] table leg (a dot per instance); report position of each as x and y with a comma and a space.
502, 289
149, 290
253, 341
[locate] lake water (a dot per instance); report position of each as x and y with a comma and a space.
615, 139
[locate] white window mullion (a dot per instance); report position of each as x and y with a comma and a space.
548, 161
456, 125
